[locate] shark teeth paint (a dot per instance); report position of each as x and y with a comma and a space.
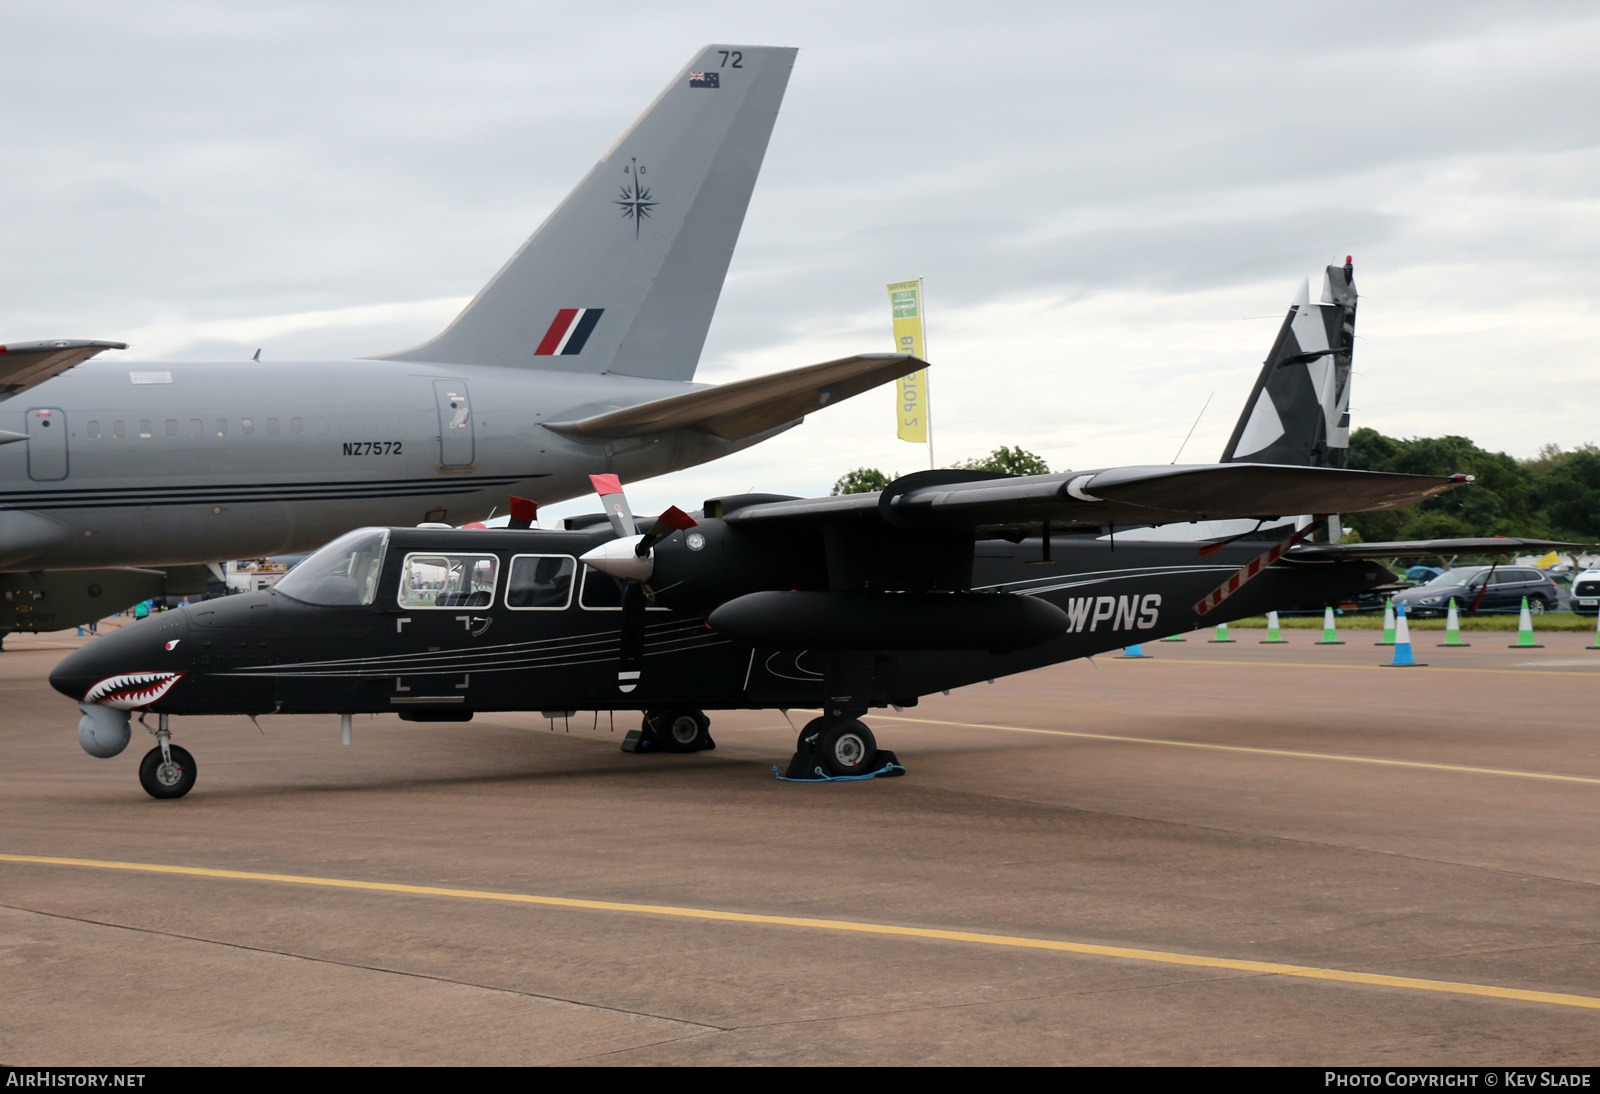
132, 690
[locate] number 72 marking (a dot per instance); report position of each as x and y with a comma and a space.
737, 56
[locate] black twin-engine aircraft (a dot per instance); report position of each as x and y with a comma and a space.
843, 604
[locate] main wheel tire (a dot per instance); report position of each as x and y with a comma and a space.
846, 747
681, 730
162, 780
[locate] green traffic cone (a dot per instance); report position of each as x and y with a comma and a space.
1222, 634
1596, 645
1525, 630
1330, 634
1388, 623
1452, 627
1274, 637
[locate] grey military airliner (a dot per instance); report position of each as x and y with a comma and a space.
577, 358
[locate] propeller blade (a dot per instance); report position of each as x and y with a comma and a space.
673, 520
630, 663
609, 487
523, 513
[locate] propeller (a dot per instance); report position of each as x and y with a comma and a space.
628, 558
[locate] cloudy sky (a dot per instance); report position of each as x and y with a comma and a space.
1112, 205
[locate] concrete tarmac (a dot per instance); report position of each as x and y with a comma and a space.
1158, 861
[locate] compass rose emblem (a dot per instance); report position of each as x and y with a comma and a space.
635, 200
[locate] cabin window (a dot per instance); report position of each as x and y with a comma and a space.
321, 424
147, 428
430, 580
272, 427
197, 428
172, 427
222, 427
344, 573
247, 426
92, 428
297, 426
540, 582
119, 428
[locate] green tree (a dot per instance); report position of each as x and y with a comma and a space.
1009, 461
1498, 501
863, 480
1566, 489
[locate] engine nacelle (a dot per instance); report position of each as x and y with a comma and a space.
103, 731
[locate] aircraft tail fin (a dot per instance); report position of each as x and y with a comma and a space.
1298, 412
625, 274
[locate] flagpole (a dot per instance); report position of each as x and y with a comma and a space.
927, 387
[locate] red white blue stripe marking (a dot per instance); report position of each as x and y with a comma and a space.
568, 332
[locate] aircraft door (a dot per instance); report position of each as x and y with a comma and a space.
455, 423
47, 444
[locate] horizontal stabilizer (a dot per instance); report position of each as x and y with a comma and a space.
1422, 548
29, 364
748, 407
1160, 494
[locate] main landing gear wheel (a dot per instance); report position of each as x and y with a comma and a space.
161, 779
680, 730
842, 746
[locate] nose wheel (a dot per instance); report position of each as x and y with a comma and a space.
170, 776
167, 770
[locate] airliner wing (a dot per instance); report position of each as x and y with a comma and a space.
748, 407
1427, 548
29, 364
1115, 496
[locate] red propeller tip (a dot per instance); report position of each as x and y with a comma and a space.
677, 518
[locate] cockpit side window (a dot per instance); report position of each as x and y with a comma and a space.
540, 582
344, 573
438, 580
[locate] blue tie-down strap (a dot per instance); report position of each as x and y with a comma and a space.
891, 768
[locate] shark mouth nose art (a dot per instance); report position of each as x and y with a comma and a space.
132, 690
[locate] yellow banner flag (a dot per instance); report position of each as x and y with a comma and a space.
1547, 561
905, 300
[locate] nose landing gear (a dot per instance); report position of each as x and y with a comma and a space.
167, 771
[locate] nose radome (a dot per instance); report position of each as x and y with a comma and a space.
141, 647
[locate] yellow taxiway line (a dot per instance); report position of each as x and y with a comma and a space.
1460, 768
1272, 968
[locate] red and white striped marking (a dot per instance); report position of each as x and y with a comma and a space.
1254, 567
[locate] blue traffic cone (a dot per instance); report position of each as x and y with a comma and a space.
1402, 642
1131, 653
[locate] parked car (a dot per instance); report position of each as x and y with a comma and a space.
1586, 592
1505, 588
